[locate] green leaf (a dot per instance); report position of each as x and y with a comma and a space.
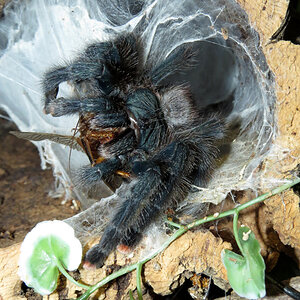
49, 244
246, 274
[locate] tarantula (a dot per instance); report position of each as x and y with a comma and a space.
135, 126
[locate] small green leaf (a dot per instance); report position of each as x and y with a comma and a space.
47, 244
246, 273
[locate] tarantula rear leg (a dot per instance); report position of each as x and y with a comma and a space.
158, 180
115, 230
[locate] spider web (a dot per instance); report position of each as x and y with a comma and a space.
37, 34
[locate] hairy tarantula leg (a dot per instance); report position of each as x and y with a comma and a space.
123, 143
115, 230
89, 176
213, 129
61, 106
148, 120
77, 71
145, 199
100, 52
208, 134
180, 59
95, 63
123, 54
109, 119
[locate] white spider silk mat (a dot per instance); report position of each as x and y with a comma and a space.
37, 34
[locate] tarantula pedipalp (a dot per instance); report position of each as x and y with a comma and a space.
134, 126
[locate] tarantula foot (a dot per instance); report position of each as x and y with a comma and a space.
94, 258
124, 249
88, 266
57, 107
50, 95
89, 176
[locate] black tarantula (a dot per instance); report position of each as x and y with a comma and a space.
134, 126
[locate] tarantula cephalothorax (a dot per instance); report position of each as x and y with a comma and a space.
134, 126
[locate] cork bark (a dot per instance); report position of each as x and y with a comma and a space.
283, 58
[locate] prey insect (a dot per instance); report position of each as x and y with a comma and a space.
136, 125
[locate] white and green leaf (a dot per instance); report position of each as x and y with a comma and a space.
49, 244
246, 274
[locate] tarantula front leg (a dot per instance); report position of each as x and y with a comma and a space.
124, 143
91, 64
106, 114
77, 71
96, 63
88, 176
158, 182
61, 106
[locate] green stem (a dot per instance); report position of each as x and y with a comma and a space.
245, 205
176, 225
182, 229
139, 280
236, 230
131, 295
67, 275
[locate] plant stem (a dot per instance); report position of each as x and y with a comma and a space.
269, 194
139, 280
176, 225
131, 295
245, 205
67, 275
182, 229
235, 231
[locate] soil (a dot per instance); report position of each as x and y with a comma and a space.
24, 189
